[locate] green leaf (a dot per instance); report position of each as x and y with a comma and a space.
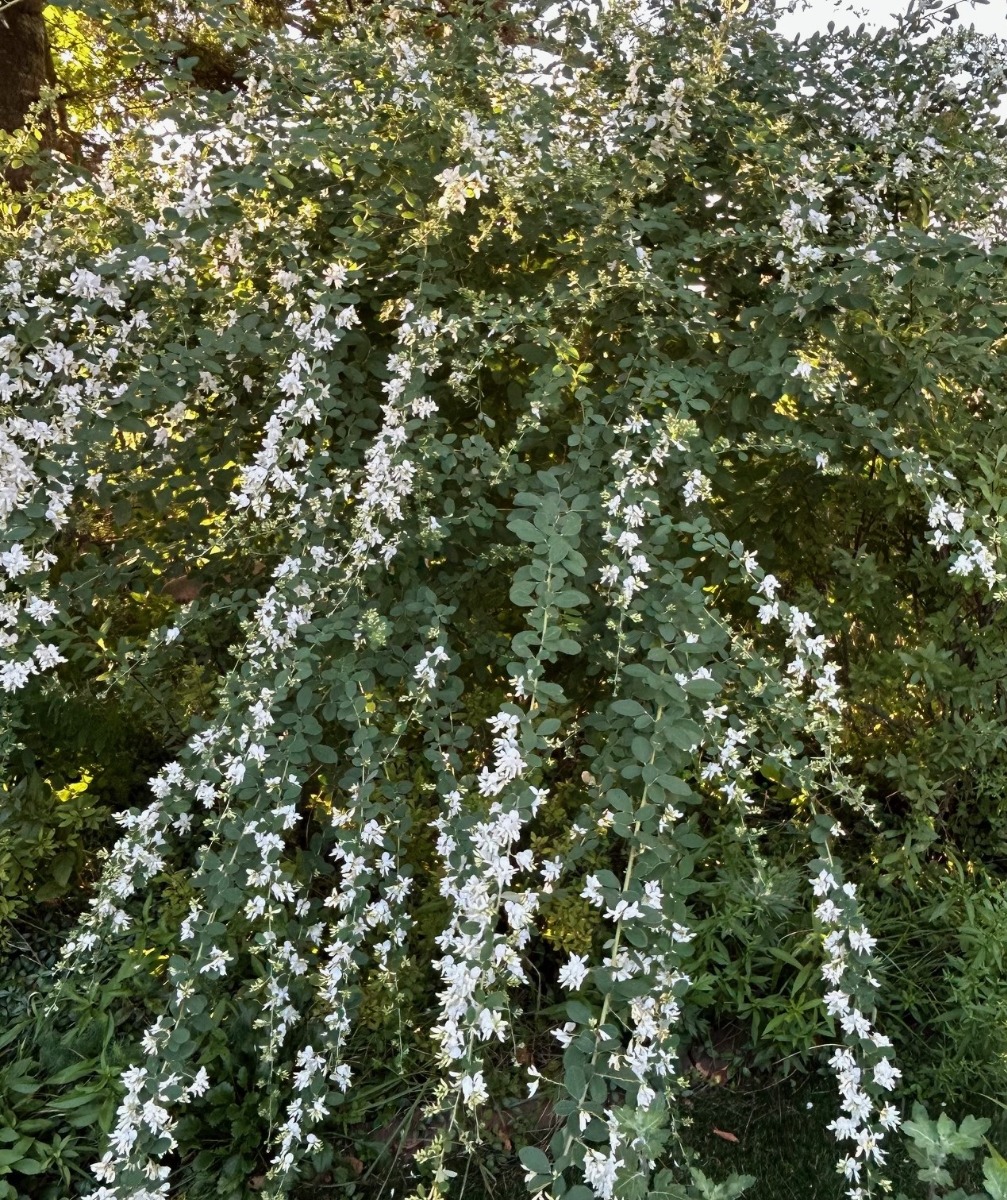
522, 593
28, 1166
525, 530
570, 598
995, 1174
63, 866
577, 1010
533, 1159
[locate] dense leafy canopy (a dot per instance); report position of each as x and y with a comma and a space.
494, 501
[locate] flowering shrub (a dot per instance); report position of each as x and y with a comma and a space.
435, 442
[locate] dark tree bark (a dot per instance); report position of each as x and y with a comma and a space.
26, 66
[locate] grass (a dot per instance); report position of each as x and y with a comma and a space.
775, 1131
781, 1137
783, 1141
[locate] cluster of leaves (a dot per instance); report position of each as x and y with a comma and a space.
936, 1145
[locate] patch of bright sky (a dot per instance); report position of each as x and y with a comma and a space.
989, 18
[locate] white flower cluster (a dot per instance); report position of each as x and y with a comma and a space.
976, 558
507, 761
425, 671
481, 867
368, 904
225, 766
659, 106
224, 785
79, 369
697, 487
848, 944
630, 504
804, 222
152, 1116
600, 1171
809, 650
459, 188
948, 523
388, 476
849, 950
941, 516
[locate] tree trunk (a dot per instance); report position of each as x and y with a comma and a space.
26, 66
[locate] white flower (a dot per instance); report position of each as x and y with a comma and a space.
867, 1145
141, 268
844, 1128
600, 1171
47, 656
459, 188
837, 1003
40, 610
889, 1117
105, 1169
885, 1075
200, 1084
592, 890
121, 1139
854, 1022
473, 1089
818, 221
14, 561
573, 974
824, 882
902, 167
697, 487
218, 962
861, 940
491, 1024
